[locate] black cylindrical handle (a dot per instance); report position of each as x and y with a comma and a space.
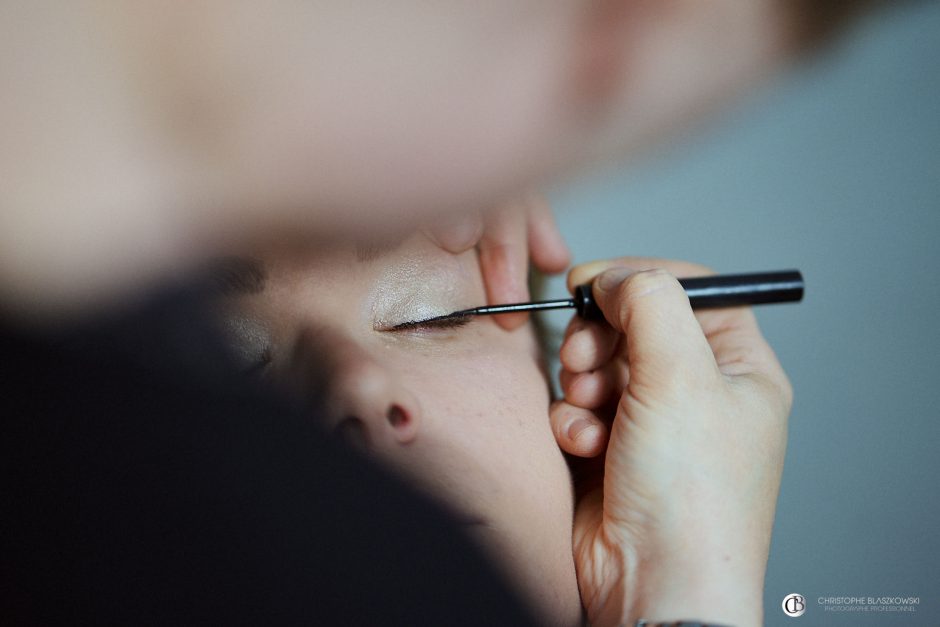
722, 290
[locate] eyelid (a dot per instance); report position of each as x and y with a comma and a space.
250, 341
259, 365
431, 324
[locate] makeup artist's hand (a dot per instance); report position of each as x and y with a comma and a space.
507, 237
691, 409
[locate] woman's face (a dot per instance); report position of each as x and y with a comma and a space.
461, 409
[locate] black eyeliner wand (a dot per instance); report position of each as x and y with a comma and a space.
728, 290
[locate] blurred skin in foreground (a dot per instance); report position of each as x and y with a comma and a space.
138, 137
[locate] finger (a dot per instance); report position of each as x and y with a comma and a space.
617, 369
578, 431
457, 234
585, 272
741, 350
666, 347
564, 379
733, 333
589, 347
547, 248
575, 324
504, 260
596, 390
589, 390
735, 338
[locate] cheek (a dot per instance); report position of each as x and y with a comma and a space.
486, 408
478, 384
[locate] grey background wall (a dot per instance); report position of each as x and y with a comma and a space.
835, 169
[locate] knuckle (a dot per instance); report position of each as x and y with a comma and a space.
641, 284
648, 281
774, 392
779, 389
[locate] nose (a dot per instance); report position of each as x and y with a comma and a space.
372, 408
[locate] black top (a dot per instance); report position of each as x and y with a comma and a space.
145, 481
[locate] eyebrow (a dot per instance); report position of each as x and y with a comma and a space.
232, 276
367, 251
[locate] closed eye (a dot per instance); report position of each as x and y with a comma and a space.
439, 322
259, 364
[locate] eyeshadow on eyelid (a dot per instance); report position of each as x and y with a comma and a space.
438, 322
417, 288
250, 339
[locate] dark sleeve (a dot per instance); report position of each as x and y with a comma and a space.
132, 498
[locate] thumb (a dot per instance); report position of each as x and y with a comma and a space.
667, 351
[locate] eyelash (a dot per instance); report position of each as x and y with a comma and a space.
433, 324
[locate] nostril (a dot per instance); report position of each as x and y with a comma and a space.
397, 416
353, 431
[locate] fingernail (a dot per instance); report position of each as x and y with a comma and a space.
612, 278
577, 427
